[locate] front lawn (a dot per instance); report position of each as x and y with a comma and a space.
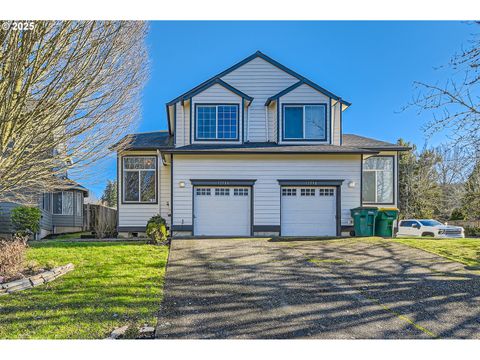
113, 284
465, 251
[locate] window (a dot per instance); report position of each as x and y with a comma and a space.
430, 223
63, 203
222, 192
408, 223
139, 179
326, 192
240, 192
217, 122
203, 191
289, 192
78, 204
378, 180
307, 192
305, 122
46, 204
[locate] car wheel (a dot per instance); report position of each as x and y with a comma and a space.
428, 234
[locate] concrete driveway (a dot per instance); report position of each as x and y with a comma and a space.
336, 289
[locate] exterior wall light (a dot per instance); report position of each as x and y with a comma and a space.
181, 184
352, 184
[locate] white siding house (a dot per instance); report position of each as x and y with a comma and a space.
256, 150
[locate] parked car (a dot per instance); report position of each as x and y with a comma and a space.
428, 227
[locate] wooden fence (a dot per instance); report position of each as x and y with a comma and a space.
99, 219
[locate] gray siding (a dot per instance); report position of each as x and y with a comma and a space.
5, 222
68, 220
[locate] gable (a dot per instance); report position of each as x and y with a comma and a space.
259, 72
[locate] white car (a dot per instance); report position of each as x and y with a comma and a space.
428, 227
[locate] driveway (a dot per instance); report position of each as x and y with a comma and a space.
336, 289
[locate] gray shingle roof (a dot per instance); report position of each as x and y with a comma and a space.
268, 148
147, 141
352, 144
369, 143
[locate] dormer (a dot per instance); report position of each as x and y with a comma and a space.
257, 100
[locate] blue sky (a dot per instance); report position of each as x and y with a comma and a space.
371, 64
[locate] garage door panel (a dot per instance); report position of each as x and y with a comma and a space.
308, 211
222, 211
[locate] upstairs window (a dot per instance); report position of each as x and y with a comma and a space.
139, 179
378, 180
217, 122
305, 122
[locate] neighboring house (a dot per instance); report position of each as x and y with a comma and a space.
256, 150
62, 211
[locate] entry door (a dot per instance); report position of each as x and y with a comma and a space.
308, 211
221, 211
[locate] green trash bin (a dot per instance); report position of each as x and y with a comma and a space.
364, 220
384, 222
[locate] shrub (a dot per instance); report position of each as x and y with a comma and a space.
472, 231
157, 229
12, 256
26, 219
457, 214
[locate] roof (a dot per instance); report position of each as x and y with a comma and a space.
268, 59
214, 81
147, 141
269, 148
352, 144
369, 143
73, 185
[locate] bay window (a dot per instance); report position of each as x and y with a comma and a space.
78, 204
216, 122
62, 203
305, 122
139, 179
378, 180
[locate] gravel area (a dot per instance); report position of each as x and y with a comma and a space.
339, 289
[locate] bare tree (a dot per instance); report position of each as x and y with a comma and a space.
453, 168
68, 92
455, 104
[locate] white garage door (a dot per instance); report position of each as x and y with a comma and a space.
222, 211
308, 211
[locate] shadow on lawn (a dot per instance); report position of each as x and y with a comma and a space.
106, 290
235, 289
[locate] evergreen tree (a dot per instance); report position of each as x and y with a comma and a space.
471, 199
109, 196
419, 192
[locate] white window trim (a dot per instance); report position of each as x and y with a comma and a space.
376, 171
284, 138
216, 138
139, 180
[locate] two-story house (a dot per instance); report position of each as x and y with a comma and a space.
256, 150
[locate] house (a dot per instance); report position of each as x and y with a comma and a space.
62, 211
257, 150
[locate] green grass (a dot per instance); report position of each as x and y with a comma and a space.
113, 284
465, 251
